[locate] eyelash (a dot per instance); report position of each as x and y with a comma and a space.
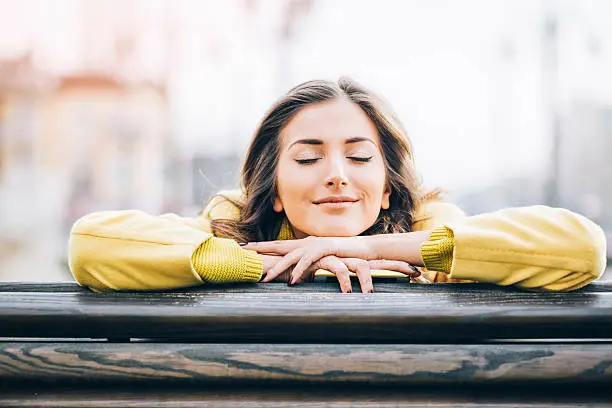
357, 159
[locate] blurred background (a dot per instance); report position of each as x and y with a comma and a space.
150, 104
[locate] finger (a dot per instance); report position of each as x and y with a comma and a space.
285, 263
270, 276
308, 276
336, 266
422, 279
362, 269
398, 266
274, 272
283, 277
272, 247
305, 262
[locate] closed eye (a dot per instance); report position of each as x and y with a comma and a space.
306, 161
361, 159
357, 159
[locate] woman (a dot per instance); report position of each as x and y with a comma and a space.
329, 184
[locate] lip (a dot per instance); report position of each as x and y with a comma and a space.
337, 200
336, 206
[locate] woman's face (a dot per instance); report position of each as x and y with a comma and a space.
331, 175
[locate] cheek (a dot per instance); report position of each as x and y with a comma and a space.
373, 182
293, 184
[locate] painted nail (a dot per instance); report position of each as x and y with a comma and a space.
242, 243
371, 291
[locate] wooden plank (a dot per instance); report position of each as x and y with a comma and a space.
321, 284
282, 396
306, 363
308, 317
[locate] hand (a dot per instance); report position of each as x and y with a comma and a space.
338, 255
341, 267
304, 252
338, 266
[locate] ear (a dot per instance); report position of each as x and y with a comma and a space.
278, 205
385, 199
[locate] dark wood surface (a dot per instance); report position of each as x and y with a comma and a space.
310, 313
278, 396
302, 363
321, 284
407, 345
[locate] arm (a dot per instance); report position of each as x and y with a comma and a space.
416, 248
132, 250
532, 247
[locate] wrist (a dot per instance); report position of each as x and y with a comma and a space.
400, 247
361, 246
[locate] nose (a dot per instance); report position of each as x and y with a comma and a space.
337, 182
337, 175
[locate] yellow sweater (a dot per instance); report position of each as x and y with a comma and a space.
530, 247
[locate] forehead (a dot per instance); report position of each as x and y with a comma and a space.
331, 121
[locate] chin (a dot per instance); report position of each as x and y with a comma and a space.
335, 231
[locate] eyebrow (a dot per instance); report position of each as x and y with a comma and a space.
320, 142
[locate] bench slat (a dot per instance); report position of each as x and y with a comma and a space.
326, 363
321, 284
276, 396
416, 315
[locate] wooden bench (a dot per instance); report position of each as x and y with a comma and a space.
271, 345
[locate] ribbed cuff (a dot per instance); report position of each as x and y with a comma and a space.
220, 260
437, 252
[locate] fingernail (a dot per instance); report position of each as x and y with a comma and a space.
371, 291
242, 243
349, 291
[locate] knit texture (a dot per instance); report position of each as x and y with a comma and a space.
437, 251
220, 260
286, 232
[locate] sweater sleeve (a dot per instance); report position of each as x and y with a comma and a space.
539, 248
437, 251
132, 250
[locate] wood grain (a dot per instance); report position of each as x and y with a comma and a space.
218, 339
281, 398
371, 364
321, 284
419, 314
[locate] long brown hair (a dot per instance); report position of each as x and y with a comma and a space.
259, 222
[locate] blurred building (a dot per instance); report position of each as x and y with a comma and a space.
21, 115
74, 144
86, 138
585, 178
